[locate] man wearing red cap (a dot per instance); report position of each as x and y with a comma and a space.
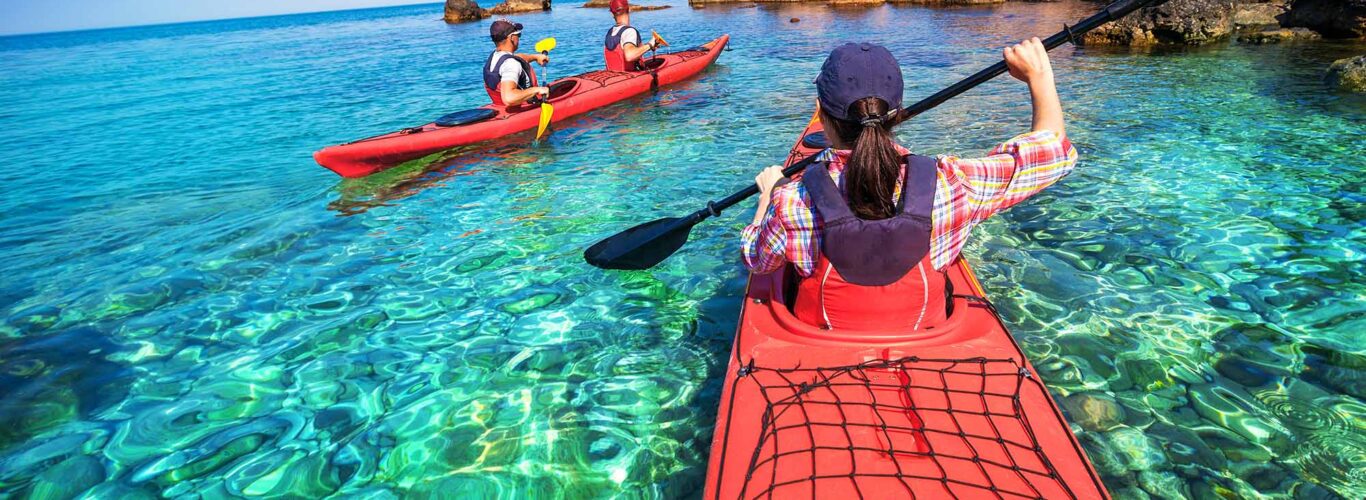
623, 49
507, 75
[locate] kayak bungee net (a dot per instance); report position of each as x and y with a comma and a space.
954, 411
570, 96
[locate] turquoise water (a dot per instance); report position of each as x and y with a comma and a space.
191, 306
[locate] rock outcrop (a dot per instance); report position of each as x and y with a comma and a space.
947, 2
1177, 22
1278, 36
1259, 15
459, 11
1332, 18
634, 8
1348, 74
519, 6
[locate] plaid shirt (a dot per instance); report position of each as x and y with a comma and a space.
969, 191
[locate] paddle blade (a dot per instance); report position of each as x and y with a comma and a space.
640, 247
659, 39
545, 45
547, 111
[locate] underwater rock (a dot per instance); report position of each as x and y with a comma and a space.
519, 6
1348, 74
1278, 36
1177, 22
1162, 484
459, 11
1092, 411
1332, 18
1137, 449
794, 20
1184, 447
1103, 456
69, 478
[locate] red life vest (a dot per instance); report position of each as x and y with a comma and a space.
874, 275
614, 54
492, 79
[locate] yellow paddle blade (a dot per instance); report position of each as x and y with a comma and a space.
662, 43
546, 112
545, 45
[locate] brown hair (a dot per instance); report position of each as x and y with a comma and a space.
874, 164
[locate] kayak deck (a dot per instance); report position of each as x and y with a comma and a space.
570, 96
949, 412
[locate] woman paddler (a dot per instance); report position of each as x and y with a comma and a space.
871, 228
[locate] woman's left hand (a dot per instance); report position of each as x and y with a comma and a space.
768, 178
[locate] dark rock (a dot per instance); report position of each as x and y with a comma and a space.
947, 2
1278, 36
1348, 74
1176, 22
1332, 18
794, 20
459, 11
519, 6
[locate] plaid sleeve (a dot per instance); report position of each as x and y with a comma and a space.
764, 244
1013, 171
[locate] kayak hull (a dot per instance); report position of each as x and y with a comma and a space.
570, 96
949, 412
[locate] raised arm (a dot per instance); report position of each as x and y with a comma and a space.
1028, 62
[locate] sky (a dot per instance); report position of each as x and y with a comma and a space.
39, 16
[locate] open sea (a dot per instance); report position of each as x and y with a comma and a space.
191, 307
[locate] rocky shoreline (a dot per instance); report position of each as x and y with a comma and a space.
1171, 23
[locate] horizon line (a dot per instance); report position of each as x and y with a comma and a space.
214, 20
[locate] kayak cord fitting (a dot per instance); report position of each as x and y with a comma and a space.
912, 415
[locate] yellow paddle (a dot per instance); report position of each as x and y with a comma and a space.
544, 46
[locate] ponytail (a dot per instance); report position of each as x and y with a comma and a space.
874, 164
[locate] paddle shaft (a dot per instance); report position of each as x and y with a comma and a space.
1068, 34
1113, 11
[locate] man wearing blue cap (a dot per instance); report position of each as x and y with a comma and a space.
507, 75
876, 226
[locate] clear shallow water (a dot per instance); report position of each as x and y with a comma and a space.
190, 305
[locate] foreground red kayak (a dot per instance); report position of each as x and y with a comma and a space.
955, 411
570, 96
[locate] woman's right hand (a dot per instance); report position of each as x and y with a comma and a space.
767, 179
1028, 61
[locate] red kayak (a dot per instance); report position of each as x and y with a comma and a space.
955, 411
570, 96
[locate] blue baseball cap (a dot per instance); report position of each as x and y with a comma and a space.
855, 71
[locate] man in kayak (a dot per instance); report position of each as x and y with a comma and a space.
871, 227
623, 49
507, 75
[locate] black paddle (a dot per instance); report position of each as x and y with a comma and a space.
643, 246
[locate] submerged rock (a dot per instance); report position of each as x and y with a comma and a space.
1348, 74
1278, 36
519, 6
1092, 411
1332, 18
459, 11
1177, 22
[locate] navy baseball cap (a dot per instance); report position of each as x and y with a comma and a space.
502, 28
855, 71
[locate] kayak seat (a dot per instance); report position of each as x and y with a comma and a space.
651, 64
465, 117
816, 140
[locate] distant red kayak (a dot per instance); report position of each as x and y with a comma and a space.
570, 96
955, 411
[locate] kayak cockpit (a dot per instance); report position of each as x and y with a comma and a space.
777, 292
